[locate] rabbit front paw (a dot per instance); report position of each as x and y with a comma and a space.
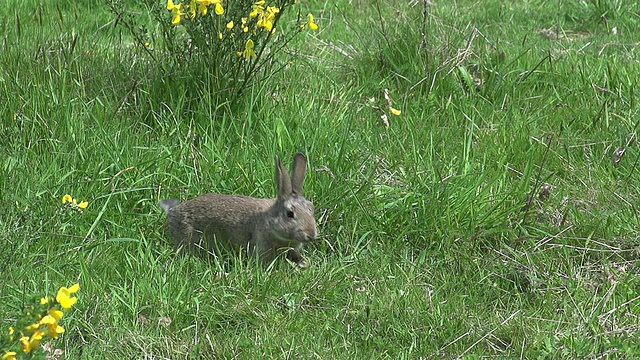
294, 256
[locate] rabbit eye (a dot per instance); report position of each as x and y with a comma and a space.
290, 214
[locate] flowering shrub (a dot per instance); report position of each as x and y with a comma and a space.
39, 321
234, 41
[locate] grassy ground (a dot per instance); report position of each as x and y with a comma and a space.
497, 216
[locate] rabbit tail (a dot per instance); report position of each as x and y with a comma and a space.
167, 204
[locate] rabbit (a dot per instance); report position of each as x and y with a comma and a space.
265, 227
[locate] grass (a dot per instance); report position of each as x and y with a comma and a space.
488, 220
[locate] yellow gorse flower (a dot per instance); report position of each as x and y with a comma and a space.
203, 6
266, 18
312, 25
25, 344
258, 8
64, 297
394, 111
56, 314
176, 12
67, 199
193, 8
248, 52
53, 329
29, 343
9, 355
218, 8
42, 320
245, 28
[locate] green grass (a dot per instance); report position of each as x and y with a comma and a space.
438, 239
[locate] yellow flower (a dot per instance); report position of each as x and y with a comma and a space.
202, 8
53, 329
176, 17
48, 319
220, 35
44, 300
10, 333
312, 25
67, 199
230, 25
245, 28
176, 11
219, 8
9, 355
56, 314
25, 344
171, 6
266, 18
64, 297
28, 344
194, 7
248, 52
395, 112
258, 8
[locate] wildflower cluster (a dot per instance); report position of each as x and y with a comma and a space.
237, 38
190, 9
40, 321
265, 16
67, 200
261, 17
225, 44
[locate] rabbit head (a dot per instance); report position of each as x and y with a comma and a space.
293, 221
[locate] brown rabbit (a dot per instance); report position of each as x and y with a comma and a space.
265, 227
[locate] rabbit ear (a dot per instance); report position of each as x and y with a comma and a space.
282, 180
297, 174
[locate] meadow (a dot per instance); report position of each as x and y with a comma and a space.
496, 216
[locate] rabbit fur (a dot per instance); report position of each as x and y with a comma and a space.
265, 227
